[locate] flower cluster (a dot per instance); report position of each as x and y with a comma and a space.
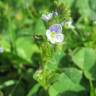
54, 32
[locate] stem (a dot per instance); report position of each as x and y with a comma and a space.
92, 89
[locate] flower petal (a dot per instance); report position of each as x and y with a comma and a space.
47, 17
49, 36
59, 38
56, 28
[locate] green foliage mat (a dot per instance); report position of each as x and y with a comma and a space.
30, 65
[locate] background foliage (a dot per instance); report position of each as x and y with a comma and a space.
30, 65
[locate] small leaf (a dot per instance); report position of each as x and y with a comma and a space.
8, 83
33, 90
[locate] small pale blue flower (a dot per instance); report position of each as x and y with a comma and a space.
54, 34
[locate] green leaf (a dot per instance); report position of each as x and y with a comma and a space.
33, 90
67, 81
87, 8
73, 71
39, 27
92, 4
5, 44
83, 7
8, 83
85, 59
25, 48
54, 61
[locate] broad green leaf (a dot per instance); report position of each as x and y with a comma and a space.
39, 27
92, 4
83, 7
85, 59
74, 74
5, 44
25, 48
87, 8
67, 81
